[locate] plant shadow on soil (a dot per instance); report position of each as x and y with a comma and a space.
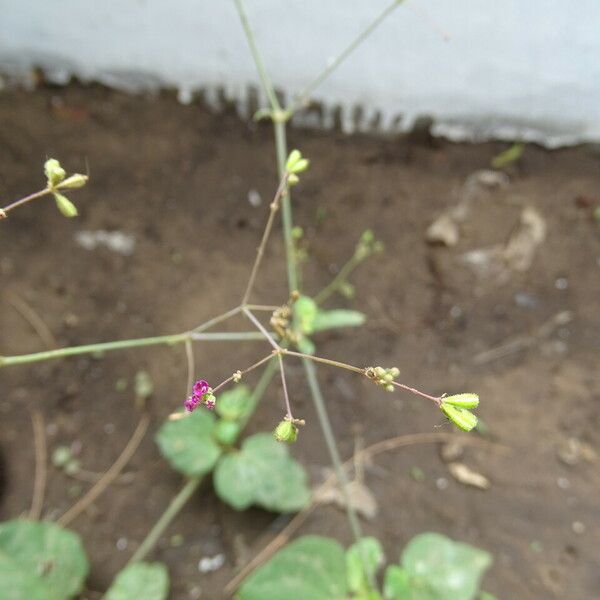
177, 179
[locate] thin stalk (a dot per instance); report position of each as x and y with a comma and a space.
302, 98
4, 211
286, 397
325, 361
263, 331
174, 507
260, 67
281, 188
335, 283
178, 338
243, 372
286, 207
436, 399
218, 319
329, 436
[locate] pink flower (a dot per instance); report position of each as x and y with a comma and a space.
201, 392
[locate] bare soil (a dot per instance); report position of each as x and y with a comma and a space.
178, 178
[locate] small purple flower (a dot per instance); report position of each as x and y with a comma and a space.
191, 403
200, 387
201, 392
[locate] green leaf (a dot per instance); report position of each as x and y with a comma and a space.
66, 207
487, 596
262, 473
363, 560
40, 561
188, 443
140, 581
509, 156
311, 568
440, 568
396, 584
227, 432
333, 319
235, 404
305, 312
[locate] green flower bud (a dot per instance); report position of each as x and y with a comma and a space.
54, 172
461, 417
74, 181
293, 158
301, 165
293, 179
61, 456
286, 431
66, 207
462, 400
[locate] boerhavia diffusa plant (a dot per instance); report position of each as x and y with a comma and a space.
202, 438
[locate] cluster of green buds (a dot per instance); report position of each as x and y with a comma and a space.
287, 430
281, 319
57, 180
367, 245
295, 164
457, 409
383, 377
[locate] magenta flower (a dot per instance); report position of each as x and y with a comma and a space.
200, 387
201, 392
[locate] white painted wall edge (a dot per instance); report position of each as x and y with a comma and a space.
516, 69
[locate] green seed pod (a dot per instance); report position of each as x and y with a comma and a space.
463, 400
286, 431
66, 207
54, 172
461, 417
301, 165
74, 182
293, 158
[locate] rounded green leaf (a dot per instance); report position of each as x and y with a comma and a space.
396, 584
227, 432
140, 581
363, 560
235, 404
305, 312
262, 473
311, 568
40, 561
188, 443
440, 568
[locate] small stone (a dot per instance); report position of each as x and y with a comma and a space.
578, 527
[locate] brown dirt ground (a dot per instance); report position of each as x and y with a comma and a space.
178, 178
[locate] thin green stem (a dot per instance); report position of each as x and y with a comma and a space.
337, 281
286, 206
262, 72
176, 504
329, 436
178, 338
302, 98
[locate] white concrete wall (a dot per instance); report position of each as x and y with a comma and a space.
526, 68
